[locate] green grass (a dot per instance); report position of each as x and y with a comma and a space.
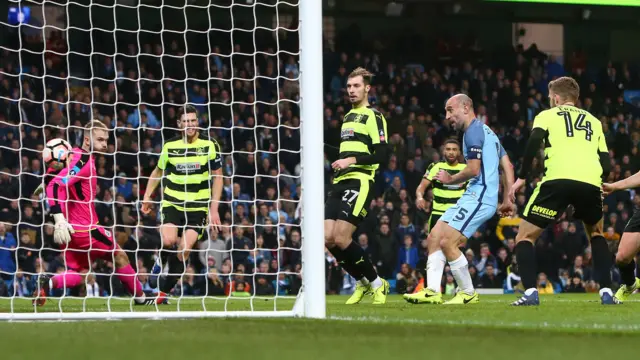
563, 327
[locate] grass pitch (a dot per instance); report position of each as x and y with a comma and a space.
563, 327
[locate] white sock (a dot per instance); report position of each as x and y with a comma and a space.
460, 270
435, 268
530, 291
138, 300
376, 283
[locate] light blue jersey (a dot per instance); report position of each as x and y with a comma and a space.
480, 201
481, 143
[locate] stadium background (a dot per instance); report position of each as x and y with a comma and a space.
435, 49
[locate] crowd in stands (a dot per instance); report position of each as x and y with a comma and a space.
257, 125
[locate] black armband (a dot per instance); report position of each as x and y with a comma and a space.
531, 150
380, 156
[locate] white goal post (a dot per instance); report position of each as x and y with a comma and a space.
22, 105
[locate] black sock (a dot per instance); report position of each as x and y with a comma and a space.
526, 258
348, 266
602, 261
360, 262
176, 268
628, 273
345, 263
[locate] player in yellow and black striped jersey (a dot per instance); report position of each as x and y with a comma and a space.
444, 196
190, 167
576, 161
363, 147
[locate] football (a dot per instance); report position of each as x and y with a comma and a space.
55, 150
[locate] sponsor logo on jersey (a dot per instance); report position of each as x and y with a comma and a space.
188, 167
347, 133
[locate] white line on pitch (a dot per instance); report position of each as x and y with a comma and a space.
504, 324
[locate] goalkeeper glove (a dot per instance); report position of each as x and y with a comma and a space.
62, 230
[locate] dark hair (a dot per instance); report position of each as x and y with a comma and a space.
187, 109
452, 141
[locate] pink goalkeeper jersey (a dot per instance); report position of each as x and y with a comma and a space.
72, 191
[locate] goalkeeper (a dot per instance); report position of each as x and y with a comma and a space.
187, 163
71, 193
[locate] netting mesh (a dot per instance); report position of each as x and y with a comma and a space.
132, 65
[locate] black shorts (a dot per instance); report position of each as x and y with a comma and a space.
185, 220
433, 219
349, 200
551, 198
633, 225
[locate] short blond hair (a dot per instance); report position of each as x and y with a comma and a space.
94, 125
367, 76
565, 87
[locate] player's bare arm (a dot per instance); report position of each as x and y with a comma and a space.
154, 180
507, 207
624, 184
424, 185
472, 170
216, 193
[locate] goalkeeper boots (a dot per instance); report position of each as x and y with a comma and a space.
424, 296
41, 291
359, 293
380, 293
154, 299
462, 298
625, 291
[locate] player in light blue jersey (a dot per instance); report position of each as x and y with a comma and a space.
479, 203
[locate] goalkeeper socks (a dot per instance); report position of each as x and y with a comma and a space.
66, 280
176, 269
360, 262
340, 256
526, 258
627, 273
602, 261
435, 268
460, 271
130, 281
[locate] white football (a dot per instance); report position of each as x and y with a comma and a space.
56, 150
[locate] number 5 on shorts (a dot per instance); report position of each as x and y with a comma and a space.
354, 194
462, 213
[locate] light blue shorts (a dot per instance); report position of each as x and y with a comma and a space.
467, 215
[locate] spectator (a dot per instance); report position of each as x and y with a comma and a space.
7, 253
489, 280
576, 285
406, 280
408, 254
544, 285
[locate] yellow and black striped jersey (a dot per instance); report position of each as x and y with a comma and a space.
362, 128
573, 142
187, 168
444, 196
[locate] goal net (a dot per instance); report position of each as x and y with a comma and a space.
252, 69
